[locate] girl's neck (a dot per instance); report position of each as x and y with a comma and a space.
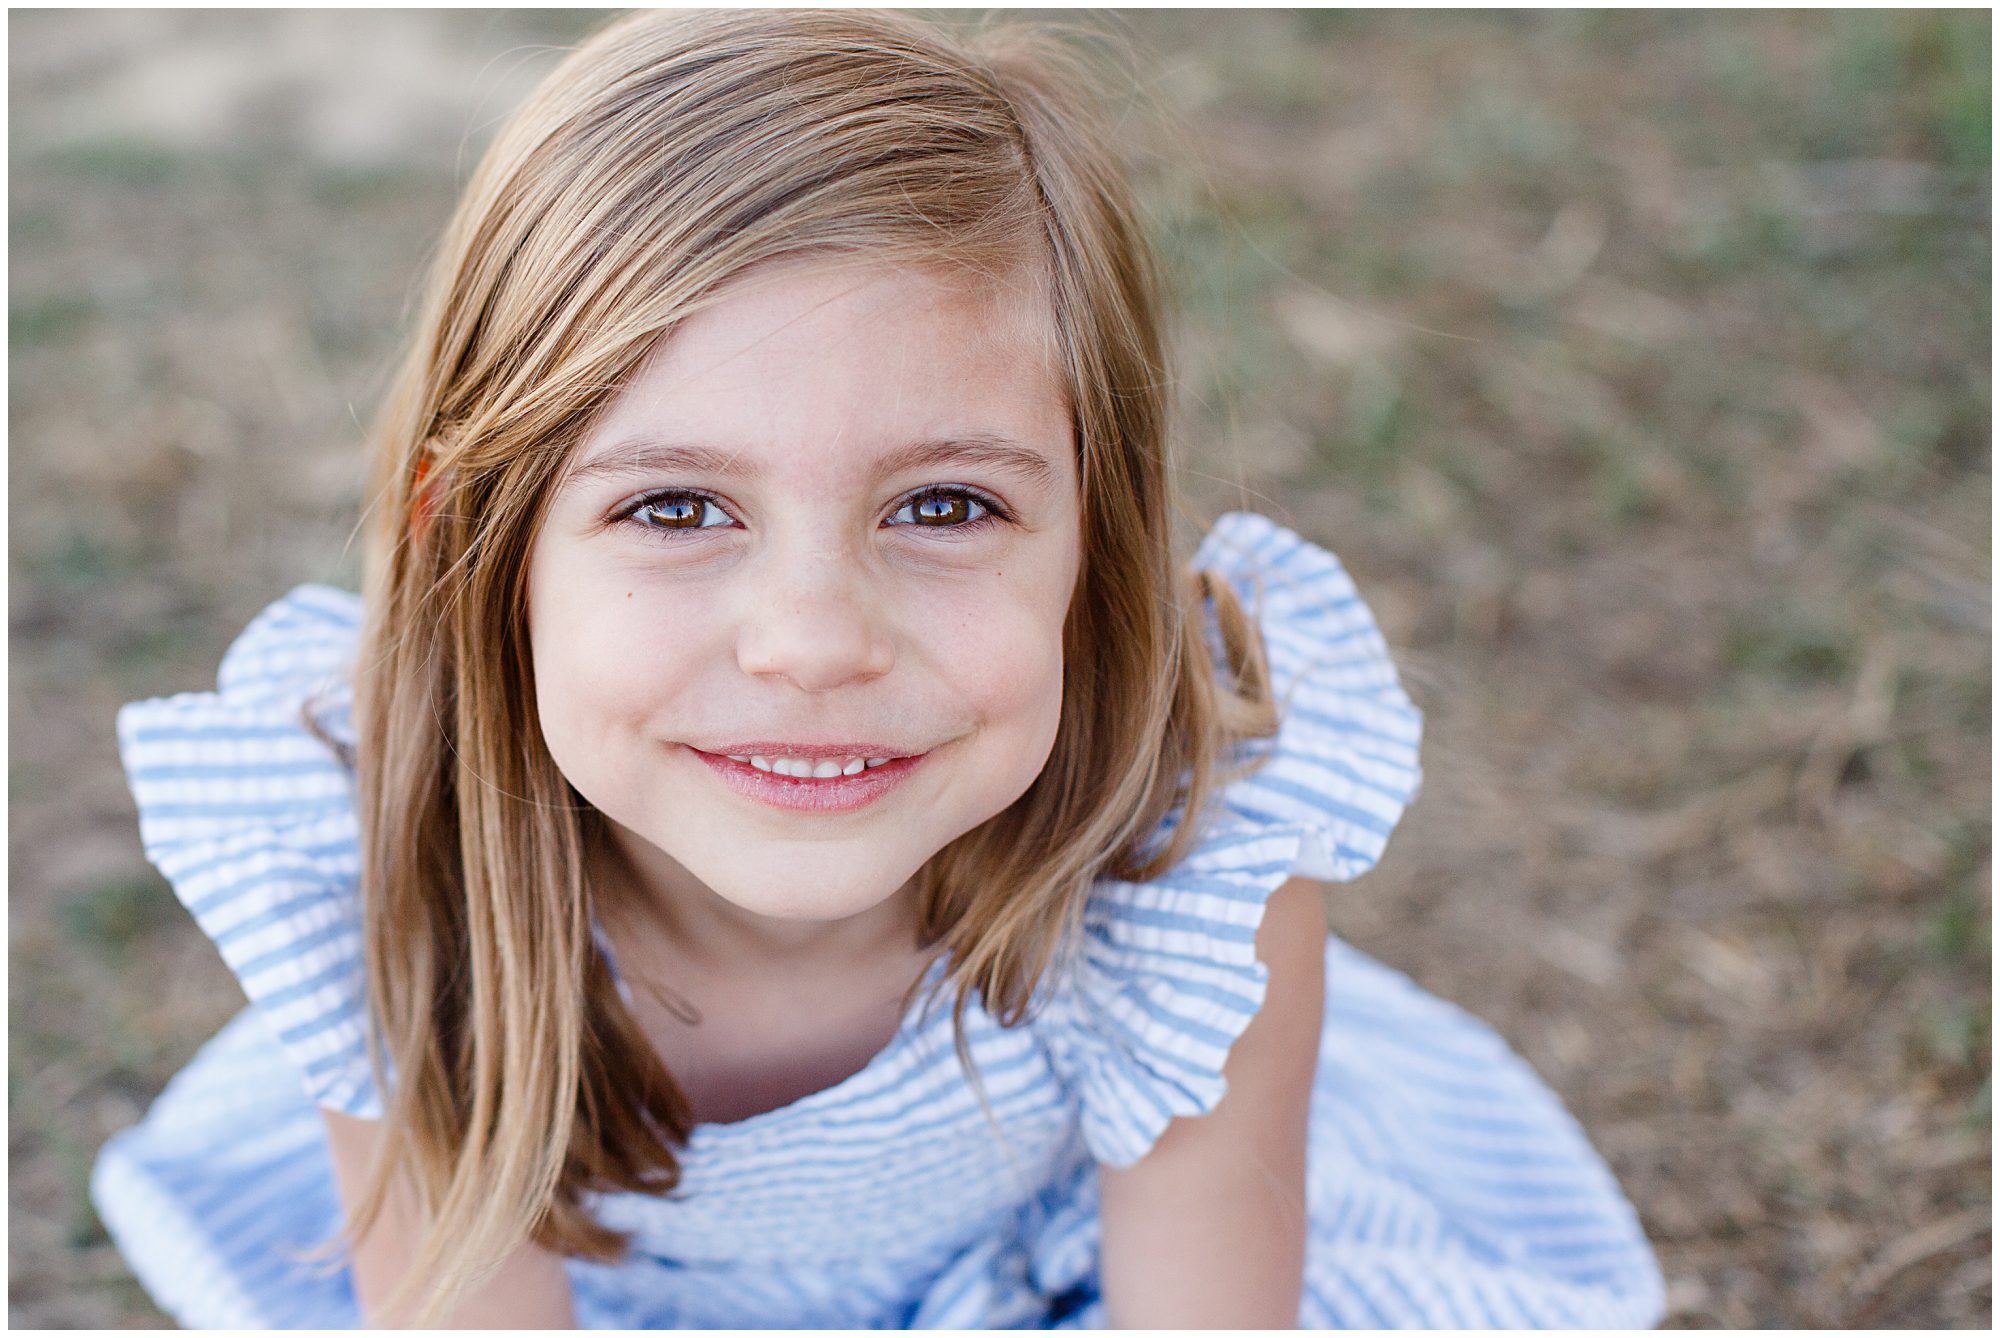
749, 1013
650, 893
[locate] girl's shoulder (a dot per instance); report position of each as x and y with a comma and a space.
246, 806
1165, 976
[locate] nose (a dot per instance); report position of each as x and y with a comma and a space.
810, 622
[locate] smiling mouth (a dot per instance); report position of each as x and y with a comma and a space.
810, 761
826, 784
811, 768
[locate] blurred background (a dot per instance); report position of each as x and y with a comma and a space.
1637, 366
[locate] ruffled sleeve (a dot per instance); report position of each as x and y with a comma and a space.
1167, 975
250, 816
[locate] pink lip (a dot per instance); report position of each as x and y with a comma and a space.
804, 748
835, 794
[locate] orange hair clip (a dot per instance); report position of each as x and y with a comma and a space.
425, 503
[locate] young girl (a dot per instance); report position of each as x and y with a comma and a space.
771, 631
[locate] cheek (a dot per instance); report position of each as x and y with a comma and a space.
1003, 655
607, 662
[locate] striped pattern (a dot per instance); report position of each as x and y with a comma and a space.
1447, 1185
1169, 974
251, 818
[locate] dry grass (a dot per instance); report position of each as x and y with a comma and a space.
1637, 366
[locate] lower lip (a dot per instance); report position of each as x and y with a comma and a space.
835, 794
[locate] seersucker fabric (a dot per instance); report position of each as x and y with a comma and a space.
1447, 1186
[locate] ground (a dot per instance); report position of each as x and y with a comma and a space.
1637, 366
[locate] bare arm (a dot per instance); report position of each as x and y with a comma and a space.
1208, 1229
530, 1290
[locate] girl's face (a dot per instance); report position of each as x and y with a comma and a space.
834, 514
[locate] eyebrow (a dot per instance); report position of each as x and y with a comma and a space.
645, 455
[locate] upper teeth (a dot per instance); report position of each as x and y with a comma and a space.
818, 768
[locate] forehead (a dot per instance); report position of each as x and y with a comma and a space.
806, 361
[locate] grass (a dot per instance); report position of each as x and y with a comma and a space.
131, 164
1793, 646
109, 916
54, 319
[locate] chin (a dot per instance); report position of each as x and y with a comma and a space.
798, 894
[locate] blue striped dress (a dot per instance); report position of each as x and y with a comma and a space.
1447, 1186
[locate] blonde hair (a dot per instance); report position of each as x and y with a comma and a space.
665, 156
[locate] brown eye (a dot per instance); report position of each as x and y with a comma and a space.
673, 511
943, 509
946, 509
